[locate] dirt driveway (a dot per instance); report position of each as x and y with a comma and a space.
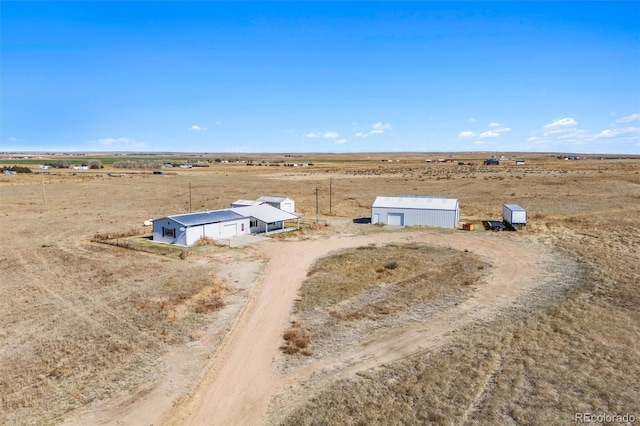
242, 381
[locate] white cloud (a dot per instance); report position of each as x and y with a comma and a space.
493, 124
196, 128
119, 143
472, 120
361, 135
563, 122
628, 118
218, 123
488, 134
353, 123
340, 141
467, 134
479, 143
564, 134
380, 126
326, 134
612, 133
502, 130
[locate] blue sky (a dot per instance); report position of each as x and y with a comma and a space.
320, 76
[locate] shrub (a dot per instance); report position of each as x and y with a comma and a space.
17, 169
391, 265
205, 241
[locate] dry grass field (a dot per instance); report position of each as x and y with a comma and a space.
84, 323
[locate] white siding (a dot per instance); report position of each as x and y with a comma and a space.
514, 214
191, 234
438, 212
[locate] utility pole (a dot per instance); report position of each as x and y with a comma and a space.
44, 197
330, 193
189, 197
315, 188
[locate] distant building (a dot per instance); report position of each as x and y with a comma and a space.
491, 162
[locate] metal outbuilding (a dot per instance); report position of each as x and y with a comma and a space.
186, 229
407, 210
282, 203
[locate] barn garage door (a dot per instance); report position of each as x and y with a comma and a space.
395, 219
229, 230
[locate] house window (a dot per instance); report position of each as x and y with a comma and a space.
168, 232
253, 223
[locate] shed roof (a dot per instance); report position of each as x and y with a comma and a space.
269, 199
265, 213
247, 202
202, 218
514, 208
411, 202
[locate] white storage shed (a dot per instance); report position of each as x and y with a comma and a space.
265, 218
409, 210
186, 229
282, 203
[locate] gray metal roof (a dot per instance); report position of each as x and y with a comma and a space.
412, 202
269, 199
201, 218
514, 208
265, 213
243, 203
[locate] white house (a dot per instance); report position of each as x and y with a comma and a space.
409, 210
186, 229
282, 203
265, 218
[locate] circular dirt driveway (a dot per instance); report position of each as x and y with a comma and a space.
238, 388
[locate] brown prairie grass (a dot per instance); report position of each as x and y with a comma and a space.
83, 322
347, 291
103, 333
571, 347
410, 272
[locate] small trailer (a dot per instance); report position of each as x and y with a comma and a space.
494, 225
514, 215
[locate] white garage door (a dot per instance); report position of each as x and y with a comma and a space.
229, 230
395, 219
